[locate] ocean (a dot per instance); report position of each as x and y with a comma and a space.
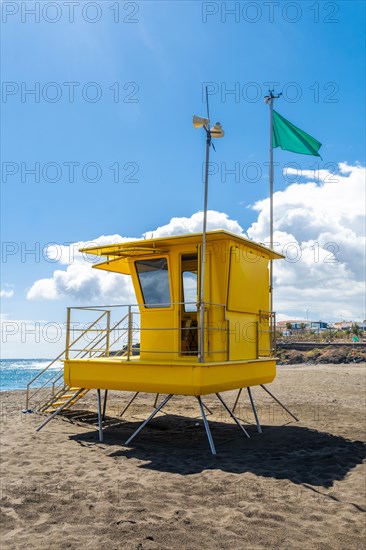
16, 373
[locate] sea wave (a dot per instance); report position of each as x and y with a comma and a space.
15, 374
28, 364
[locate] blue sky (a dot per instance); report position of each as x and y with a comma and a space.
159, 55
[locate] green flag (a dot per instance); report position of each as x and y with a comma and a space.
290, 138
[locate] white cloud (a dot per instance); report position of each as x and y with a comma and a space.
320, 228
68, 254
82, 283
179, 226
6, 293
79, 281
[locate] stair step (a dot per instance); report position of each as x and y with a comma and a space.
63, 398
59, 403
66, 396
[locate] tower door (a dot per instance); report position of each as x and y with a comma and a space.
188, 307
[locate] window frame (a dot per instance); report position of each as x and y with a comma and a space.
143, 304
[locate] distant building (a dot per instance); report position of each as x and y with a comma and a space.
318, 325
292, 325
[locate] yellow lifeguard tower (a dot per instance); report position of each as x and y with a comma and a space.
170, 342
202, 323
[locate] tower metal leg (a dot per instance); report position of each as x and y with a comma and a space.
233, 415
129, 403
237, 399
207, 408
99, 400
254, 410
149, 418
104, 404
207, 427
156, 400
279, 402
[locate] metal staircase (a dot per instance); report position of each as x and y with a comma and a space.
65, 398
47, 392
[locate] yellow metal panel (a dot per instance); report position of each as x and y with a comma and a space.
171, 377
248, 290
243, 336
157, 336
119, 265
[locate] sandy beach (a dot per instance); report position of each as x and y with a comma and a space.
297, 485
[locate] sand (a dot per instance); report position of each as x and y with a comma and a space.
297, 485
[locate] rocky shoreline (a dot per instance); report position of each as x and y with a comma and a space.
328, 354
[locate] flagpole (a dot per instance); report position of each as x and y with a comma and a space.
271, 180
269, 99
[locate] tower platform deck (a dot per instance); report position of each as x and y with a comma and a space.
179, 377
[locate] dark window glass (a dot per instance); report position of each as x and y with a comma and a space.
154, 282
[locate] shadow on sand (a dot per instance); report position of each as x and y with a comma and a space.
179, 445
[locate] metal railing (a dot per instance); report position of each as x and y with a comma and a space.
123, 337
54, 384
104, 337
266, 334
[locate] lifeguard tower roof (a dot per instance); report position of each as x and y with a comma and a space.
160, 244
